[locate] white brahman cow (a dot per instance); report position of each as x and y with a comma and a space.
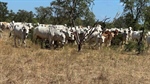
68, 33
94, 36
147, 37
58, 37
148, 40
41, 32
86, 34
21, 32
78, 34
136, 35
50, 33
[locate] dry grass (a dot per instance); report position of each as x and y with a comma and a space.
33, 65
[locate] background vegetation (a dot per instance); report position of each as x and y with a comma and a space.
78, 12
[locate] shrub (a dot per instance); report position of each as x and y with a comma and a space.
132, 45
117, 40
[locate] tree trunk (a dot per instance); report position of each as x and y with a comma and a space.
140, 42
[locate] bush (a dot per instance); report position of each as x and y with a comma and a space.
117, 40
132, 45
141, 47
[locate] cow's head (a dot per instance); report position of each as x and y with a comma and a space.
25, 31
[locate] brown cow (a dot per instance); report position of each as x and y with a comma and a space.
108, 37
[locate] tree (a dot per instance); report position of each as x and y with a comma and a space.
58, 12
89, 19
120, 22
134, 9
31, 16
147, 18
129, 19
11, 16
3, 11
72, 10
43, 14
24, 16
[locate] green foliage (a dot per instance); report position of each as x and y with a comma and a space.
43, 14
20, 16
136, 12
110, 25
141, 48
147, 18
117, 40
133, 11
129, 19
3, 11
120, 22
89, 19
11, 16
79, 21
72, 10
132, 45
137, 26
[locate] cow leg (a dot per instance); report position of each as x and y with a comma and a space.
122, 43
42, 43
35, 40
79, 46
106, 43
110, 43
19, 42
15, 42
1, 36
56, 44
46, 44
24, 43
97, 43
62, 44
147, 45
50, 42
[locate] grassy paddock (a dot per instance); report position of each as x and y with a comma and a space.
33, 65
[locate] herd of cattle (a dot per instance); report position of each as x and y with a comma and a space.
60, 35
